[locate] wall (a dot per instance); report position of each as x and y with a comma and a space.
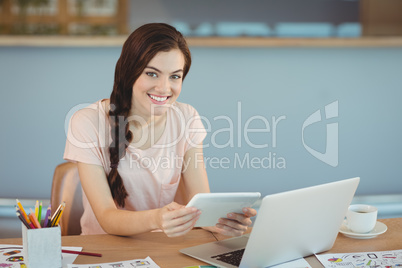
39, 86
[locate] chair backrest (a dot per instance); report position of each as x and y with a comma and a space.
66, 187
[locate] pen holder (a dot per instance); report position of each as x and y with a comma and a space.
42, 247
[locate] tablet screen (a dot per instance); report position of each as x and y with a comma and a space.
217, 205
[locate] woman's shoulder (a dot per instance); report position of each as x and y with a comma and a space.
90, 113
185, 109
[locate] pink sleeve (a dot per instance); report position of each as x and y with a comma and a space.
83, 140
195, 131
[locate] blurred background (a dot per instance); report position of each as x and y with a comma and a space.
293, 93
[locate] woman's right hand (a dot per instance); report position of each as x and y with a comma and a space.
176, 220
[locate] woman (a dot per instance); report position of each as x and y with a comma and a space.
133, 150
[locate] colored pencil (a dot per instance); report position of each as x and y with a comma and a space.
49, 220
22, 219
31, 226
47, 216
57, 214
22, 211
60, 214
36, 209
81, 253
40, 212
34, 219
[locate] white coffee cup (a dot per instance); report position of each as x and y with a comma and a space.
361, 218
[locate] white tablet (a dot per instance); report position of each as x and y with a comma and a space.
218, 205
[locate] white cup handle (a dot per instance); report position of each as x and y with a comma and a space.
346, 222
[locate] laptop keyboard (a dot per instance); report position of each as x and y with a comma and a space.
233, 257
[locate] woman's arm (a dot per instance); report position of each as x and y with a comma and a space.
194, 174
173, 219
196, 181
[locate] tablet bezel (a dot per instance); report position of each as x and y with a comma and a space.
217, 205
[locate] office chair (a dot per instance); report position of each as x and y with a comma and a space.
66, 186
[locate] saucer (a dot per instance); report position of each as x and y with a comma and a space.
379, 228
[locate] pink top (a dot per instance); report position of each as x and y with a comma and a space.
150, 176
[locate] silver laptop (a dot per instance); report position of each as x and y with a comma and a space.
289, 225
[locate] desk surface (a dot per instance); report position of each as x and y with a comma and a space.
165, 251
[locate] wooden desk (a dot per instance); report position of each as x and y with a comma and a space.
165, 251
162, 249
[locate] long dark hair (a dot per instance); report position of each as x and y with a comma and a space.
138, 50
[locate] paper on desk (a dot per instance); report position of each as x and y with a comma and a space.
299, 263
11, 256
69, 258
378, 259
143, 263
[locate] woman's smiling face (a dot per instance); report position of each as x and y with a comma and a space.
159, 84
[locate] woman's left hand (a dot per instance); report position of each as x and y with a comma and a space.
235, 224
